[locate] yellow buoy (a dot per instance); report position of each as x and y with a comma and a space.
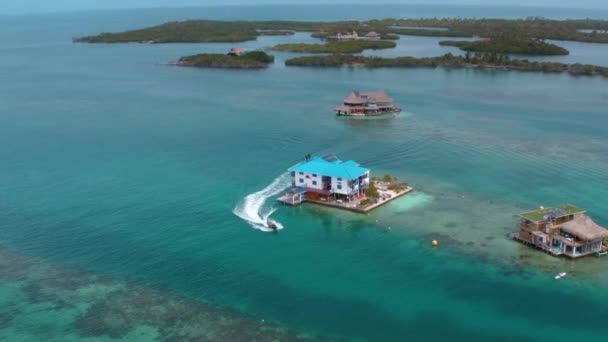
435, 243
541, 208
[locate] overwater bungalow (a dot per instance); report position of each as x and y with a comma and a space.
564, 230
375, 103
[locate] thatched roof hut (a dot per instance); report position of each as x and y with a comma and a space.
583, 227
359, 98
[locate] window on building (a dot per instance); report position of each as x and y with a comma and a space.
314, 182
301, 173
314, 175
339, 186
339, 179
301, 180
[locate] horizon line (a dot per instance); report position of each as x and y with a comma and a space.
22, 13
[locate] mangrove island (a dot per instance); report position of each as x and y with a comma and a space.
478, 60
251, 60
349, 46
512, 45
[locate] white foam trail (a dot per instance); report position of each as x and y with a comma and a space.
251, 208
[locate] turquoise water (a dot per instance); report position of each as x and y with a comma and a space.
120, 176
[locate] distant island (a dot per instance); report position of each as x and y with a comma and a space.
502, 36
251, 60
479, 60
275, 33
349, 46
199, 31
511, 45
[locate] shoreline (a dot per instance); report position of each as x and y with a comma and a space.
355, 209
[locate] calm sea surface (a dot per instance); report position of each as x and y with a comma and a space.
120, 178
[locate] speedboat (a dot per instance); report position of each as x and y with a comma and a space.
560, 275
272, 225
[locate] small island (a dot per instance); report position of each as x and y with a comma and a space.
478, 60
331, 182
251, 60
276, 32
510, 45
349, 46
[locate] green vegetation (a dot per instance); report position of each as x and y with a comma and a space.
477, 60
388, 178
397, 187
371, 191
251, 60
522, 45
276, 33
389, 36
350, 46
532, 27
393, 183
365, 203
195, 31
191, 31
386, 182
538, 215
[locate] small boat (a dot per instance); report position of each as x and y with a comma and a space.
272, 225
560, 275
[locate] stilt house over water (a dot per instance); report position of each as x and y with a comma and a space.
563, 230
374, 103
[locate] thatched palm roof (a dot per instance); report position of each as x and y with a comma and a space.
584, 227
357, 98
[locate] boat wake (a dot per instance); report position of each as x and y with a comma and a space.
252, 210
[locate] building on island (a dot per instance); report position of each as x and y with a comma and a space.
339, 184
237, 52
563, 230
355, 36
326, 179
347, 36
375, 103
372, 36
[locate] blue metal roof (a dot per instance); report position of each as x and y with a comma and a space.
330, 166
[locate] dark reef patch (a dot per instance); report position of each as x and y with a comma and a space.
5, 320
115, 308
450, 224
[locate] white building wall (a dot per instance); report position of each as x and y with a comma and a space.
309, 180
345, 188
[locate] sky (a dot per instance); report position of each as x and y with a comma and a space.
37, 6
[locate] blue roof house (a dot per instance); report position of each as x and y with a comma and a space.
329, 175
